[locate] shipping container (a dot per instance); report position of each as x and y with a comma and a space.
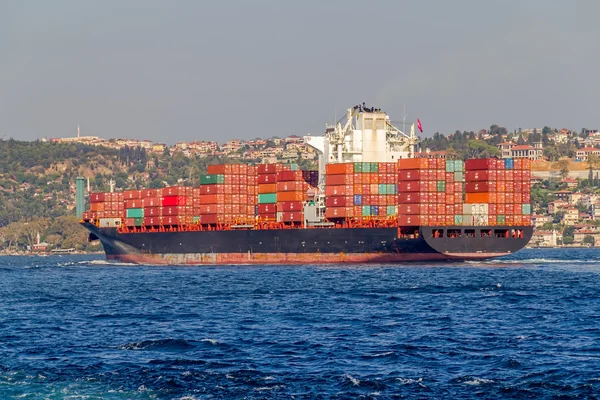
413, 163
481, 163
477, 197
209, 179
267, 198
97, 197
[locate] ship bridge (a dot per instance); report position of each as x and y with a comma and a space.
364, 134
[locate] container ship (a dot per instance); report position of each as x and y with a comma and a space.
371, 200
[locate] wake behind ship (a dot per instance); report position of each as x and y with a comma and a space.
371, 201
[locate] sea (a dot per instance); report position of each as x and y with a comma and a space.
523, 327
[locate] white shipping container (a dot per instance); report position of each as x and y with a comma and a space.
109, 222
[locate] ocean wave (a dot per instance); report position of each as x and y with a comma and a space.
158, 344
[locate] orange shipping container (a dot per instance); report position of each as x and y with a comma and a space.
290, 196
267, 188
477, 197
339, 169
97, 206
413, 163
212, 199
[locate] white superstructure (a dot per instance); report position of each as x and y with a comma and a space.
363, 135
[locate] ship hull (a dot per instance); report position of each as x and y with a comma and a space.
310, 246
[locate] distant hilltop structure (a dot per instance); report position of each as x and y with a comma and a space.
77, 139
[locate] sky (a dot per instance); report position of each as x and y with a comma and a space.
186, 70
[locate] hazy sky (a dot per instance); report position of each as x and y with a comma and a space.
197, 70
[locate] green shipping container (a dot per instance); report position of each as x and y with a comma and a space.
459, 177
366, 211
441, 186
391, 210
138, 221
383, 188
212, 179
374, 167
526, 209
392, 189
134, 213
459, 166
196, 219
267, 198
458, 219
449, 165
294, 167
500, 219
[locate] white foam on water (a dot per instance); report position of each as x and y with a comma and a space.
352, 379
478, 381
409, 381
214, 342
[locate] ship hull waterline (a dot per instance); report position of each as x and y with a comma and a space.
308, 246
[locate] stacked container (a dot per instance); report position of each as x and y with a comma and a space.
421, 191
292, 186
362, 190
339, 191
106, 207
224, 196
497, 191
267, 191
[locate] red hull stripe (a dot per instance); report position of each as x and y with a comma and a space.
292, 258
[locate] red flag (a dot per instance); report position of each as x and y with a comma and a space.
419, 125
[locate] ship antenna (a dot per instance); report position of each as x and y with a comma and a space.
78, 132
404, 116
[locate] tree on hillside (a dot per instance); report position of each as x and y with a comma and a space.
563, 165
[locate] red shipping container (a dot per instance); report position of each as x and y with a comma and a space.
478, 187
262, 169
341, 190
526, 219
409, 220
418, 186
480, 175
208, 219
174, 201
296, 216
151, 202
458, 198
501, 208
283, 176
405, 209
152, 211
481, 163
337, 201
212, 189
267, 178
333, 180
97, 197
413, 175
267, 208
135, 203
293, 186
339, 212
174, 191
374, 178
131, 194
526, 197
173, 210
152, 221
290, 206
146, 193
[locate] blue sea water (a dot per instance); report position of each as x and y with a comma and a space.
77, 327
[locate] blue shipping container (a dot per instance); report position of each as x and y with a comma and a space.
509, 163
358, 199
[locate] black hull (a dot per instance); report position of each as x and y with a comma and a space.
308, 246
